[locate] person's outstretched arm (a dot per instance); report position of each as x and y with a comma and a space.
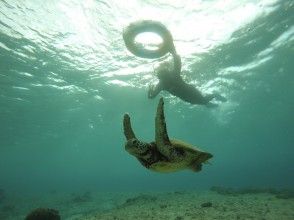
177, 61
177, 64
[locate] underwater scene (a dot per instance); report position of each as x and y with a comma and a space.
147, 109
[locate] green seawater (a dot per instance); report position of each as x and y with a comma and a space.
66, 80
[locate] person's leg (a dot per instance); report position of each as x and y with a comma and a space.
216, 96
208, 98
220, 97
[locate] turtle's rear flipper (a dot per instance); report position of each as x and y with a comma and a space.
196, 167
128, 131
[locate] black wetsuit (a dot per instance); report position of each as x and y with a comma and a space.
172, 82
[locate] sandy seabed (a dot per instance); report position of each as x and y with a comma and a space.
177, 205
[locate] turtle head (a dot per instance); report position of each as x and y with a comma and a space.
136, 148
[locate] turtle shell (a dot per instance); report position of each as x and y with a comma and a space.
187, 157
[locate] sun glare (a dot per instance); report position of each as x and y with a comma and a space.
149, 40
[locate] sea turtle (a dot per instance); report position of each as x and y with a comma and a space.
163, 155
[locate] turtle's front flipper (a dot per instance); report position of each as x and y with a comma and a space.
161, 137
128, 131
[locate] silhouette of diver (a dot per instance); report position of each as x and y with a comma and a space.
171, 81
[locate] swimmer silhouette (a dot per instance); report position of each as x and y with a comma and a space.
171, 81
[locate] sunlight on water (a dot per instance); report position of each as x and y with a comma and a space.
67, 80
151, 41
78, 28
86, 38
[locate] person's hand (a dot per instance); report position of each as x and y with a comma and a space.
172, 49
150, 91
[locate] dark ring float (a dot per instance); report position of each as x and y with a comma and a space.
138, 27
